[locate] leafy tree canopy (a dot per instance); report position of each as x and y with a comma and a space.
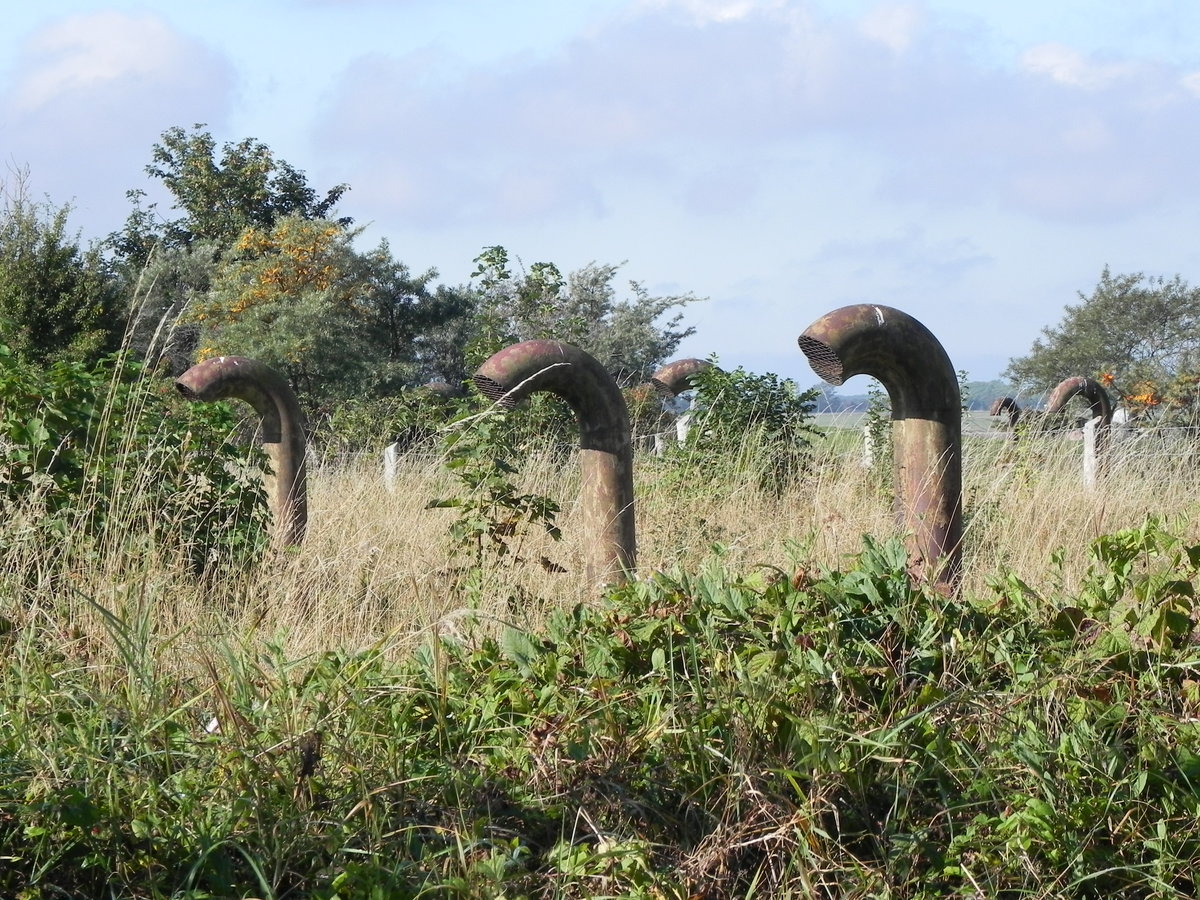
58, 301
218, 195
1135, 332
337, 322
583, 309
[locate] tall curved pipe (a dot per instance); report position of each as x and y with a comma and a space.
1091, 391
606, 454
669, 382
1095, 433
676, 377
913, 367
283, 432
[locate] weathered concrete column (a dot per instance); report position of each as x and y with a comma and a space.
913, 367
605, 450
282, 427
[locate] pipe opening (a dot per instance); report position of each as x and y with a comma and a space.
661, 389
187, 392
822, 359
494, 391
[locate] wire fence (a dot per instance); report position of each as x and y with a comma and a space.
1160, 452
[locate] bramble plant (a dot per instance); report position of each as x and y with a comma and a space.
786, 732
493, 513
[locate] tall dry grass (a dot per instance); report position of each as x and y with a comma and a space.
378, 567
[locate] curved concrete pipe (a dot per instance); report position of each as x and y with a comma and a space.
1091, 391
676, 377
1006, 406
1095, 432
669, 382
606, 454
283, 432
913, 367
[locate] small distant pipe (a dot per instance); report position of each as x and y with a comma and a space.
1096, 431
1006, 406
676, 377
1091, 391
282, 428
606, 453
913, 367
669, 382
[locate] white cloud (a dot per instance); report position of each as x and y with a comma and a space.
893, 24
632, 100
86, 52
1068, 66
1191, 83
707, 11
93, 93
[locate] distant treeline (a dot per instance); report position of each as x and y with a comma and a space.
980, 395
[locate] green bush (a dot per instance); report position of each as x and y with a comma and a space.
109, 452
780, 733
741, 418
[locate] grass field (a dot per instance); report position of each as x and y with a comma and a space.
770, 708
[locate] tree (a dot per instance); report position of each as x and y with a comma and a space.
166, 264
338, 323
1136, 332
581, 309
219, 198
172, 280
58, 301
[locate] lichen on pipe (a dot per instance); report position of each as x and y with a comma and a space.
282, 429
606, 453
913, 367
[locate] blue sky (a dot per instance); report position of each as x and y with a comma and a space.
779, 157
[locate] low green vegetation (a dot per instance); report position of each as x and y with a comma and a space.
105, 450
779, 732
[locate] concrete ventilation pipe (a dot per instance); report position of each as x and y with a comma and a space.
1006, 406
282, 428
913, 367
1095, 432
605, 451
1091, 391
669, 382
676, 377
